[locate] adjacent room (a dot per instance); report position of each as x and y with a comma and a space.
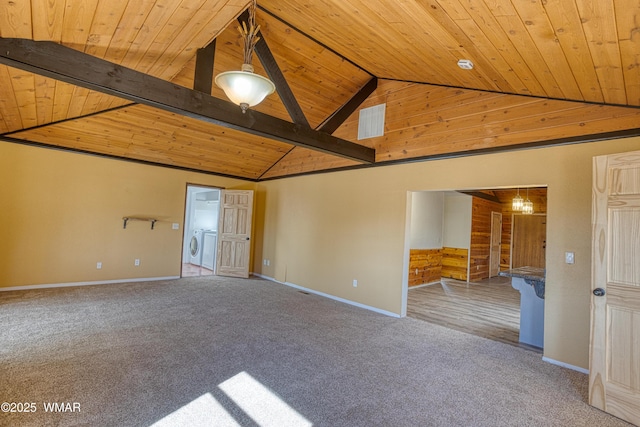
177, 250
462, 244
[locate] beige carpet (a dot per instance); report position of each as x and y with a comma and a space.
215, 351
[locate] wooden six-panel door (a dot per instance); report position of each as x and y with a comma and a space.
614, 362
234, 233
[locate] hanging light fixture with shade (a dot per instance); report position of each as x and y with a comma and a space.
527, 206
243, 87
516, 204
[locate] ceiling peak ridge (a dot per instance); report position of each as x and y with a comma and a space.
313, 39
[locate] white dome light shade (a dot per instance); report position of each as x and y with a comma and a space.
245, 88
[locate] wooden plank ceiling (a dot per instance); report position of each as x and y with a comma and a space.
546, 72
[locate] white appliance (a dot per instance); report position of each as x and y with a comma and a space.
209, 246
195, 248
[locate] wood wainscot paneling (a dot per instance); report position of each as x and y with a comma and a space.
425, 266
454, 263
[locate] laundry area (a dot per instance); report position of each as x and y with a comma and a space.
201, 231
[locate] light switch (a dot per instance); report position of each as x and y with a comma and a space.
569, 257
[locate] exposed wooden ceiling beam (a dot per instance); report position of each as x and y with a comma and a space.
275, 74
65, 64
341, 114
480, 195
203, 76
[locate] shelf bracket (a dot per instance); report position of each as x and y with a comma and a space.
126, 219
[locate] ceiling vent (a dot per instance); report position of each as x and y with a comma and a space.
371, 123
465, 64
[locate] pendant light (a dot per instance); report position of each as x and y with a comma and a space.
517, 202
527, 206
243, 87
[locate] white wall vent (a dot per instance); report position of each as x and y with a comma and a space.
371, 123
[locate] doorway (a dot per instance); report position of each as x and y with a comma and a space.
200, 237
475, 226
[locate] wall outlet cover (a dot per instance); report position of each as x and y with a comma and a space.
569, 257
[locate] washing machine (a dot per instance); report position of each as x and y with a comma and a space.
195, 248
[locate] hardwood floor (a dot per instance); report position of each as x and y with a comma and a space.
191, 270
489, 308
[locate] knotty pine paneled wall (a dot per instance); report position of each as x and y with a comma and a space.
425, 266
505, 240
430, 265
539, 198
454, 263
481, 237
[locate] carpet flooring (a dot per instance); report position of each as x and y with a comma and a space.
231, 352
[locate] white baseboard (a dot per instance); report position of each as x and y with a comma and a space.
333, 297
566, 365
101, 282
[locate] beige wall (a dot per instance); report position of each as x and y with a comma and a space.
427, 220
61, 213
457, 220
322, 231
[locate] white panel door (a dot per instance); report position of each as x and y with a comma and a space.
614, 371
234, 233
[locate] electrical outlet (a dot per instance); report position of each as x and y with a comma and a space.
569, 258
136, 262
355, 283
175, 226
98, 265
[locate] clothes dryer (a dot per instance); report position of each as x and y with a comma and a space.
195, 248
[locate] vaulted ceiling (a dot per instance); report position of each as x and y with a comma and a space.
125, 78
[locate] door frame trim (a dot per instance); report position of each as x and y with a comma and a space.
184, 216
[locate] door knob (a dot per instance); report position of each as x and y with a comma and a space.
598, 292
